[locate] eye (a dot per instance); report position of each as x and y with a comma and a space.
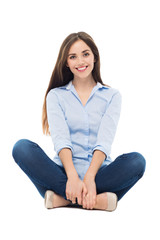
72, 57
86, 54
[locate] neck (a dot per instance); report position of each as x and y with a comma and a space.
84, 83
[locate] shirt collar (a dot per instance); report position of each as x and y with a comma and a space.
69, 85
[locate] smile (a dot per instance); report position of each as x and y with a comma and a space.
82, 69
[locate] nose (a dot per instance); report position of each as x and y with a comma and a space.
80, 61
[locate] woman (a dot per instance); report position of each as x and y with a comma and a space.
81, 114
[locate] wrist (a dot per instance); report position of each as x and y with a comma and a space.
90, 175
72, 174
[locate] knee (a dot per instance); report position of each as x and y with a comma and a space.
19, 149
138, 162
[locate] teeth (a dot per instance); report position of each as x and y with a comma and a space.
82, 68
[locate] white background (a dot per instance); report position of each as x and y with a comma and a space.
127, 34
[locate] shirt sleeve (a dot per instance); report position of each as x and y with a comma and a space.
58, 127
108, 125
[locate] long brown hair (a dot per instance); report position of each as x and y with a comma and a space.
62, 75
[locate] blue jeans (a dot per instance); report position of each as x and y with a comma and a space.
117, 177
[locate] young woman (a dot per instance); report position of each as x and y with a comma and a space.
81, 114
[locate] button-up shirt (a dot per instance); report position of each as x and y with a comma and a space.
80, 128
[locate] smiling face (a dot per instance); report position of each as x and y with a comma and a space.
80, 60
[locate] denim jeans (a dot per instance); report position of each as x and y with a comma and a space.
118, 177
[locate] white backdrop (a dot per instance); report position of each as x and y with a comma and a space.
127, 34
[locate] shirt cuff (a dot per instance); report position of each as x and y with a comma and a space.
60, 147
102, 149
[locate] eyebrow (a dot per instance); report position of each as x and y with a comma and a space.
82, 52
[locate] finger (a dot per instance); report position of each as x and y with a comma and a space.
67, 196
73, 199
93, 201
80, 199
91, 205
83, 194
70, 197
90, 201
87, 201
84, 191
84, 202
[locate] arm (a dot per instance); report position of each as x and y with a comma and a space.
58, 126
108, 125
102, 148
89, 200
66, 159
105, 136
97, 160
60, 135
74, 186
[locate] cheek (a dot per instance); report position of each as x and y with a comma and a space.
92, 64
70, 65
91, 61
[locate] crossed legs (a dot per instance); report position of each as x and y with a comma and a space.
118, 177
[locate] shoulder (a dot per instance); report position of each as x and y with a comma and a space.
57, 95
51, 93
52, 96
55, 92
110, 92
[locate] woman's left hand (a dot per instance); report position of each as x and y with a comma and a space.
89, 200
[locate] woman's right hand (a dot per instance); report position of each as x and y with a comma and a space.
75, 188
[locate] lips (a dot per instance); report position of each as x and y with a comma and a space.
82, 69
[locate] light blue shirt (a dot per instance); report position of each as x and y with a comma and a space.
83, 129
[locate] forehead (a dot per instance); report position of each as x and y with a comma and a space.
78, 46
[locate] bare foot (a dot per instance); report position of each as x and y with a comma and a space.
101, 201
59, 201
